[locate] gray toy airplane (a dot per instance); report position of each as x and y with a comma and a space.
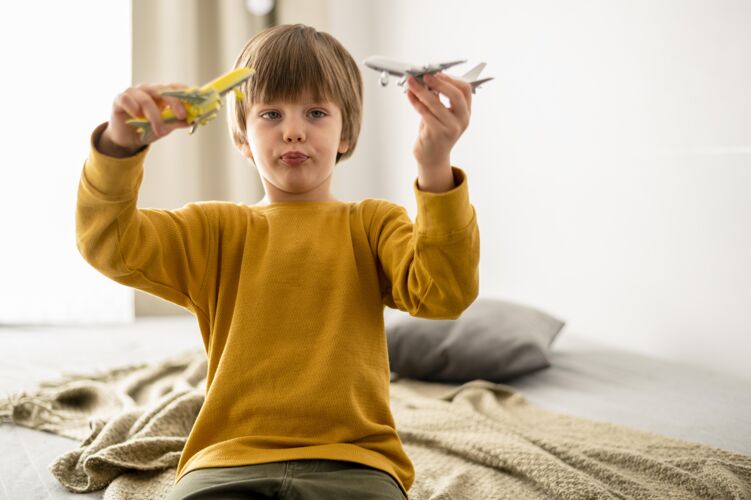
388, 67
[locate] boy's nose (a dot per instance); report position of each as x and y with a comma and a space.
296, 137
294, 133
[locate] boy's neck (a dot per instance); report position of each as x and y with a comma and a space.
266, 202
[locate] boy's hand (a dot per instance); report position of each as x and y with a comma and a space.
441, 126
121, 139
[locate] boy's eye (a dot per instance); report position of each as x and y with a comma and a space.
267, 113
320, 115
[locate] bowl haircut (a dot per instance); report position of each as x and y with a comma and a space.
291, 59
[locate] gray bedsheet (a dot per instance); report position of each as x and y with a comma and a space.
648, 393
587, 379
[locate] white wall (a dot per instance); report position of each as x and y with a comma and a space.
609, 161
61, 61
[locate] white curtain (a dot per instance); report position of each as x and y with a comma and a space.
191, 42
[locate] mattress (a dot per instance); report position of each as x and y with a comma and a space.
586, 379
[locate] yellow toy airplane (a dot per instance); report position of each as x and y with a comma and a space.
201, 104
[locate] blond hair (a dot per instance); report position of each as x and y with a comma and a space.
290, 59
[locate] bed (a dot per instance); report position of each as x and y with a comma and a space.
585, 379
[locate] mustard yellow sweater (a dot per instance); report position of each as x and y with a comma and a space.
289, 299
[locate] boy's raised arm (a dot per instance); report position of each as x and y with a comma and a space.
162, 252
431, 268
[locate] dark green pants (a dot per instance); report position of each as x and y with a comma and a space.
294, 479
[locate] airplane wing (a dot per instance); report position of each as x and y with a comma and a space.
191, 96
418, 71
435, 68
139, 122
221, 86
144, 125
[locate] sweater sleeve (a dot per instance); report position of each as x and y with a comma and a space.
162, 252
429, 269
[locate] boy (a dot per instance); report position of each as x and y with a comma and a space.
289, 293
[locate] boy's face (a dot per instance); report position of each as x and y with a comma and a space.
277, 131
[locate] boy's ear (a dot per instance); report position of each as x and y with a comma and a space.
343, 146
245, 150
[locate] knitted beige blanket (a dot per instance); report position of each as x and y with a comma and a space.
477, 441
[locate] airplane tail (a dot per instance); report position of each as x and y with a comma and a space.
473, 73
471, 76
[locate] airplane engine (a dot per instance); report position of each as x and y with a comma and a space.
384, 80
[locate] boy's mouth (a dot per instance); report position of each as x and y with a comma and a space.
293, 158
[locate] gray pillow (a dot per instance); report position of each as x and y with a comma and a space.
493, 340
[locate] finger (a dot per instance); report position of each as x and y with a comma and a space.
430, 100
177, 106
145, 96
125, 103
427, 116
462, 85
463, 88
457, 98
125, 107
153, 90
466, 90
446, 88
